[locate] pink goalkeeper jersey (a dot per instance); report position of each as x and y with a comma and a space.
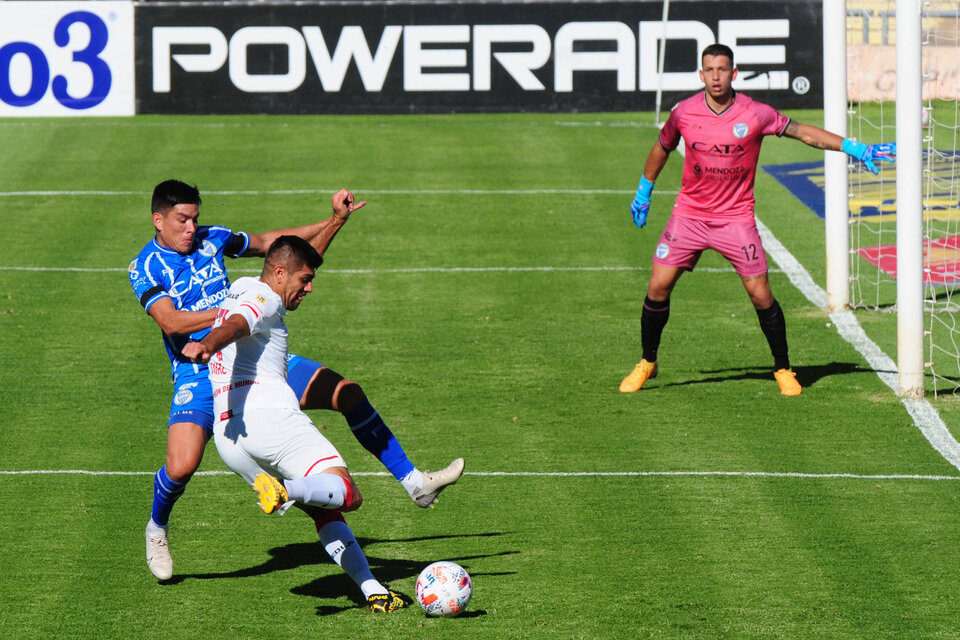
721, 154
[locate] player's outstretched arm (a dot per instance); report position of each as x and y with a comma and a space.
173, 321
319, 234
234, 328
823, 139
343, 204
656, 160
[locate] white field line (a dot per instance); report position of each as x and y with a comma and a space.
547, 474
545, 269
925, 417
278, 123
363, 192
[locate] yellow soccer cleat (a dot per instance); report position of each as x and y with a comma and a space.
640, 374
270, 491
787, 380
387, 602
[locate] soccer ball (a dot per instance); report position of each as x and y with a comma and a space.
444, 589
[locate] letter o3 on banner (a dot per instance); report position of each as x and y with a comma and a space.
268, 83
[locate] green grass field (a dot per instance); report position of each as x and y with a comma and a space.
488, 299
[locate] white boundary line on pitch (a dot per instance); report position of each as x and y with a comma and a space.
549, 474
398, 270
289, 192
924, 416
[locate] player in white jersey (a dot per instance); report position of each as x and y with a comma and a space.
259, 429
179, 278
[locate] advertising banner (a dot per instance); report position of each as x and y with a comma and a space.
66, 58
465, 57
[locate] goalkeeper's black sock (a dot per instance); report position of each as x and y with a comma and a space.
652, 321
774, 327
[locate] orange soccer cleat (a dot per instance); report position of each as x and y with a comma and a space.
640, 374
787, 380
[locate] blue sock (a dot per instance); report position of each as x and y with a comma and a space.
165, 495
370, 431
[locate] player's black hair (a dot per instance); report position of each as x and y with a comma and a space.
293, 249
718, 49
170, 193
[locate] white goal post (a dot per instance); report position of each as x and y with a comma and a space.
909, 201
909, 214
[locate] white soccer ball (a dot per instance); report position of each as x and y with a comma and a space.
443, 589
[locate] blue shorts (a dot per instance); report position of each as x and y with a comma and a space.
193, 397
300, 372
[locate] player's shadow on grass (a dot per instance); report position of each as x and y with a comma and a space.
397, 574
336, 584
807, 375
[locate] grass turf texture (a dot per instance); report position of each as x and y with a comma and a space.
513, 367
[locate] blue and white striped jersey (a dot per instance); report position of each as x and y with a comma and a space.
195, 281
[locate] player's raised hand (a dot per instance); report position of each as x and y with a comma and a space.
641, 203
344, 204
869, 154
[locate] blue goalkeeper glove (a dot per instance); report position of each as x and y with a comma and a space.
641, 203
866, 154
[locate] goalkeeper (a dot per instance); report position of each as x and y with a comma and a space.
722, 131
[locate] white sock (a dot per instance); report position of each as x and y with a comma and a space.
155, 528
325, 490
413, 481
342, 546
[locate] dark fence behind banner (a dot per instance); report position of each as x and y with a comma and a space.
464, 57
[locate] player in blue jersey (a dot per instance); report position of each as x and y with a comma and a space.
180, 278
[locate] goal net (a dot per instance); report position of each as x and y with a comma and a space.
871, 27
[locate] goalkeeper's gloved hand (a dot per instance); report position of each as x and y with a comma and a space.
866, 154
641, 203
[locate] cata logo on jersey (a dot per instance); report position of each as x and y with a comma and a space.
66, 58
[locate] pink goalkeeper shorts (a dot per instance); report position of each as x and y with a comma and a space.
684, 240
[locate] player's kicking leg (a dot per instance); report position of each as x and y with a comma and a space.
321, 388
342, 547
322, 492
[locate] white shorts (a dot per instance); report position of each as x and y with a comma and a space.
281, 442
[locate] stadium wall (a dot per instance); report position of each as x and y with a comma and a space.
121, 58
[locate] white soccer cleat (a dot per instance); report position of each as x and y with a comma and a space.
436, 481
159, 559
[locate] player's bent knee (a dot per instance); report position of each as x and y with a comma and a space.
185, 444
353, 498
347, 396
183, 464
180, 470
